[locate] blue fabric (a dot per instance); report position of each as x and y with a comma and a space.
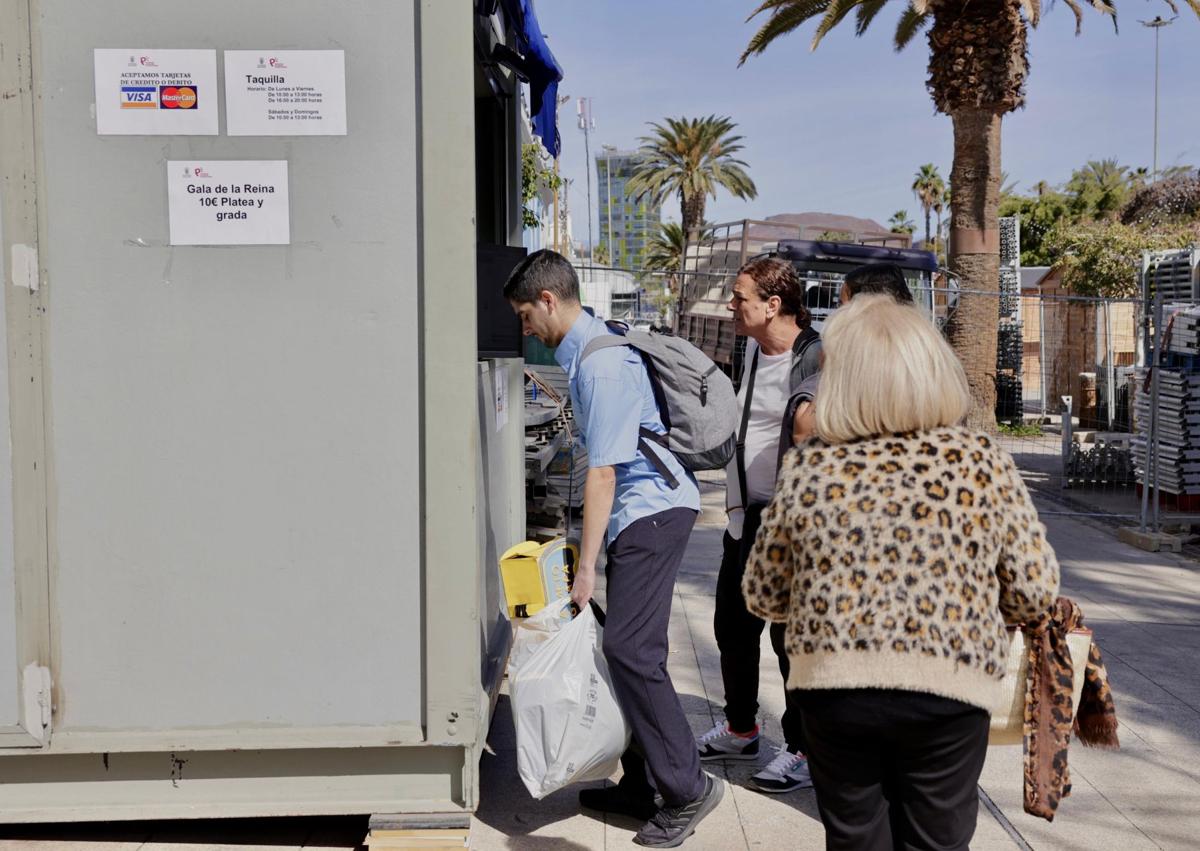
542, 71
612, 398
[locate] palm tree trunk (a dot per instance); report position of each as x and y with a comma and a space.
691, 209
975, 255
927, 242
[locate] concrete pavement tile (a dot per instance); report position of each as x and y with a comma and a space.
1128, 684
1125, 775
1161, 724
1085, 821
721, 830
576, 832
990, 835
1170, 819
779, 821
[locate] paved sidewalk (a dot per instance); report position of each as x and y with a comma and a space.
1145, 610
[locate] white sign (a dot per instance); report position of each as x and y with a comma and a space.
228, 202
285, 92
143, 92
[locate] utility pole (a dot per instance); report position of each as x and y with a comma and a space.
612, 253
587, 124
1157, 24
557, 177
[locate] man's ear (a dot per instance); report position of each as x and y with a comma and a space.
774, 303
548, 300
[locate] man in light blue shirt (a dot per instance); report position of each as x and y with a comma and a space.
647, 518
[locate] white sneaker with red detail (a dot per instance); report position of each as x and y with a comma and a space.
721, 743
786, 772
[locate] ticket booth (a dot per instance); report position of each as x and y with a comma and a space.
259, 473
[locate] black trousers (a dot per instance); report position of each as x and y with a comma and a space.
640, 576
894, 769
739, 634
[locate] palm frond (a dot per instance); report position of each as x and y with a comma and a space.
837, 11
1077, 11
769, 4
867, 11
1033, 11
783, 21
911, 23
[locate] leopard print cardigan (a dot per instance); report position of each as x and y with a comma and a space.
897, 561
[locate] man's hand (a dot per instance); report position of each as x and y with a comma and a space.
583, 586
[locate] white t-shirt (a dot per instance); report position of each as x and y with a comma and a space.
771, 384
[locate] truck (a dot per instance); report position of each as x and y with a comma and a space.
712, 260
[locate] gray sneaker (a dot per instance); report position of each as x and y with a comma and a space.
672, 825
787, 771
720, 743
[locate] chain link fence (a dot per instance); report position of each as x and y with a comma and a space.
1077, 403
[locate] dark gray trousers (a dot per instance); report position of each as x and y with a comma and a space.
640, 576
894, 770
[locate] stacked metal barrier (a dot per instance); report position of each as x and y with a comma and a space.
1010, 343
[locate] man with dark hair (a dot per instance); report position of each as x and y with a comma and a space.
783, 358
648, 523
885, 278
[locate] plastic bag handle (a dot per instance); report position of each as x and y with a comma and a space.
594, 606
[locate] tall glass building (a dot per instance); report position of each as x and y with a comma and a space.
631, 225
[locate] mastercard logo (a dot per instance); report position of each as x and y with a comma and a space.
177, 97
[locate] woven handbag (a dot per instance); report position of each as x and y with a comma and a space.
1008, 715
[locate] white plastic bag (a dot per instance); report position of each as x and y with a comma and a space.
569, 726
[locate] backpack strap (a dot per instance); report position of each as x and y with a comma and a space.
740, 454
645, 435
804, 341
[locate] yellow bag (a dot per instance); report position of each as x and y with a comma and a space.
535, 573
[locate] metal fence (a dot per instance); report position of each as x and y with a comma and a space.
1077, 405
1064, 374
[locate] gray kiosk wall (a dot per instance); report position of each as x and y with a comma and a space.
242, 474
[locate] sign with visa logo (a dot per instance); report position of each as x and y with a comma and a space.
139, 97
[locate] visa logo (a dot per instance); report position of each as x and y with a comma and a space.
139, 97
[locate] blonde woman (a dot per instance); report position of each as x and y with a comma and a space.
897, 547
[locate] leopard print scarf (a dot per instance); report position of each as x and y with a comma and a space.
1048, 723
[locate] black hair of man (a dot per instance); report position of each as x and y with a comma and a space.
542, 271
886, 278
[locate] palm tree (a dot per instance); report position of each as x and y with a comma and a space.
928, 186
1100, 188
977, 69
690, 157
901, 223
664, 251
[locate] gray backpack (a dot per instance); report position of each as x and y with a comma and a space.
695, 399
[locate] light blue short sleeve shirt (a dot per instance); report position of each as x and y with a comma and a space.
612, 398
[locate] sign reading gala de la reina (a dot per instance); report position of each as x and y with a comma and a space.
148, 92
228, 202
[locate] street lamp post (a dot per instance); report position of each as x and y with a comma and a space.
587, 124
1157, 24
608, 149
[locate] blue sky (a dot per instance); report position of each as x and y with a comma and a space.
844, 128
